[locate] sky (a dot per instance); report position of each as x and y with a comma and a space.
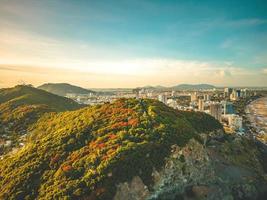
132, 43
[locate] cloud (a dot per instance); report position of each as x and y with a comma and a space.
32, 57
264, 71
153, 71
247, 22
233, 23
224, 73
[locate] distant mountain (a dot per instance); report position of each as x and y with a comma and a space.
179, 87
62, 89
149, 87
194, 87
22, 105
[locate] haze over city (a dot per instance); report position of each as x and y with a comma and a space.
133, 43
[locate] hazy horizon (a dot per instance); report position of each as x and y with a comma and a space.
128, 44
21, 82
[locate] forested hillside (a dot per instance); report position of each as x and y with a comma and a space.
84, 154
23, 105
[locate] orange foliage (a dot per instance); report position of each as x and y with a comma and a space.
67, 168
93, 144
112, 136
105, 157
101, 145
133, 122
119, 124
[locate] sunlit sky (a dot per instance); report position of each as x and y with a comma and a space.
133, 43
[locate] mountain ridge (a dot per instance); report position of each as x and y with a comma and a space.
181, 87
193, 86
23, 104
62, 89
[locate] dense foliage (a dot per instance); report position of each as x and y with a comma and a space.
23, 94
84, 153
22, 105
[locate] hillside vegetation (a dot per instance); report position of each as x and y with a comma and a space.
62, 89
23, 105
84, 154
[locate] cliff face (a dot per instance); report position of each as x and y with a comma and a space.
222, 168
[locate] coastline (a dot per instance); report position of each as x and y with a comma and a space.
256, 113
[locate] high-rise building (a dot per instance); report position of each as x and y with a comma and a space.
244, 93
234, 95
206, 97
238, 93
216, 110
194, 97
201, 105
163, 98
227, 92
228, 108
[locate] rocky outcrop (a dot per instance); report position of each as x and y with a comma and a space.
223, 168
135, 189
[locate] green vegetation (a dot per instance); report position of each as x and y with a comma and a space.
23, 94
83, 154
22, 105
62, 89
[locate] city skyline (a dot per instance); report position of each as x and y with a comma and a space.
130, 44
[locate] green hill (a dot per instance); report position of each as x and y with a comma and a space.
72, 154
131, 149
62, 89
22, 105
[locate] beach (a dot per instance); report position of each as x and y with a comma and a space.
257, 115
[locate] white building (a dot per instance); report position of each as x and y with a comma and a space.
172, 103
194, 97
227, 92
149, 94
206, 97
201, 105
216, 110
244, 92
163, 98
233, 96
235, 122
